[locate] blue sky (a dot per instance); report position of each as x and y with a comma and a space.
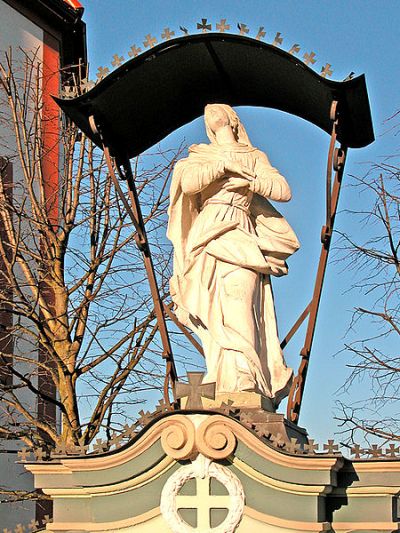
352, 35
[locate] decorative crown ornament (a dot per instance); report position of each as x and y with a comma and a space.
204, 26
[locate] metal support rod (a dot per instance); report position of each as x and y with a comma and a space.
135, 213
296, 326
336, 157
178, 323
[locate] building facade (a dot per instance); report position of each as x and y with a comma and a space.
54, 31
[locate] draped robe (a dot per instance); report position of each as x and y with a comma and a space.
227, 244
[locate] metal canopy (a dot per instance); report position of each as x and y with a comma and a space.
167, 86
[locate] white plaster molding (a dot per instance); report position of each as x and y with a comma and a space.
203, 468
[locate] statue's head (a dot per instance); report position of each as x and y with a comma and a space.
221, 115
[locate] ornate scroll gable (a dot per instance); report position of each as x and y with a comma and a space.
257, 484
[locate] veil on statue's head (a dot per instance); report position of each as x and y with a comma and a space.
238, 128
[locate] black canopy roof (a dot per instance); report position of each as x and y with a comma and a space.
168, 86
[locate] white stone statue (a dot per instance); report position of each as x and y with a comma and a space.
228, 240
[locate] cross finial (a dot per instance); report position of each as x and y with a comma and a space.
61, 449
39, 454
115, 440
128, 430
23, 454
243, 28
222, 27
100, 446
309, 58
86, 85
293, 446
277, 440
184, 30
278, 39
117, 60
326, 71
262, 429
356, 450
261, 33
145, 417
203, 26
392, 451
311, 447
46, 520
134, 51
375, 451
69, 91
295, 49
167, 34
33, 525
150, 41
102, 72
331, 447
195, 390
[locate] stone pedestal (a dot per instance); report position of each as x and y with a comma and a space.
257, 409
241, 400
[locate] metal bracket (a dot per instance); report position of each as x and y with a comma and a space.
336, 161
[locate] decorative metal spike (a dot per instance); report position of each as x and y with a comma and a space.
278, 39
243, 28
295, 49
222, 27
134, 51
326, 70
203, 26
261, 33
102, 72
150, 41
167, 34
309, 58
117, 60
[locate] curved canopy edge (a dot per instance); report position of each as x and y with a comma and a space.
168, 86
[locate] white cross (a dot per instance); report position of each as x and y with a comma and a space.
203, 502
